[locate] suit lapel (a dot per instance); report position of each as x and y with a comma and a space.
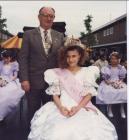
40, 46
54, 41
39, 42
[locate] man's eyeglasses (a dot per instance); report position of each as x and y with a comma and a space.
48, 16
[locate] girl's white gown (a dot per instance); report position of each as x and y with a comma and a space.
49, 124
11, 94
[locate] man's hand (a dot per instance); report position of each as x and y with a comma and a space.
25, 86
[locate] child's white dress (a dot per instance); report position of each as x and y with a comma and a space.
11, 94
49, 124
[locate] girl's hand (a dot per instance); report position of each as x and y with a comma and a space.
74, 110
108, 82
64, 111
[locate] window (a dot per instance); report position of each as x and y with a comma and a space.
111, 30
96, 39
104, 33
108, 32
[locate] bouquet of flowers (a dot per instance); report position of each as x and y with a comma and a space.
117, 84
3, 82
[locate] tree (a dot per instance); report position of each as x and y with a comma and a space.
90, 40
3, 26
2, 21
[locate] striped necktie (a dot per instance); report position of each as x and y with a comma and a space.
47, 42
45, 35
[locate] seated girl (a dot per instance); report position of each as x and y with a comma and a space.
71, 115
10, 88
112, 89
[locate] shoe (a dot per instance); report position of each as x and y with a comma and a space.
123, 115
122, 112
110, 114
109, 111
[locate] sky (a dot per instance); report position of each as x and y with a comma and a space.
24, 13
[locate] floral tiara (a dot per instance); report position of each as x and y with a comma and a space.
73, 41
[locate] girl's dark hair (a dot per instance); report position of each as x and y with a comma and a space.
62, 56
6, 53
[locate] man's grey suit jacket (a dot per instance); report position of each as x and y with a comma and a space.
33, 60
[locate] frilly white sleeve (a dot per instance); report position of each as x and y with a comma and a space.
96, 71
105, 73
90, 85
0, 66
15, 68
122, 72
53, 82
89, 89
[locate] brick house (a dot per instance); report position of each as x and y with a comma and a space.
111, 37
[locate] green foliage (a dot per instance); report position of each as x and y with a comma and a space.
83, 34
90, 40
87, 23
2, 21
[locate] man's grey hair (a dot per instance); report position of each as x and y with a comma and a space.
45, 7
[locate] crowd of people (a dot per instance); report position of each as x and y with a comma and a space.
51, 73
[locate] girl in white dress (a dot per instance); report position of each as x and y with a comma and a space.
71, 115
112, 89
10, 87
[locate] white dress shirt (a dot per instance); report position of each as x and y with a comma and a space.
47, 45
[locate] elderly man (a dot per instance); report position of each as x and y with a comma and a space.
38, 53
